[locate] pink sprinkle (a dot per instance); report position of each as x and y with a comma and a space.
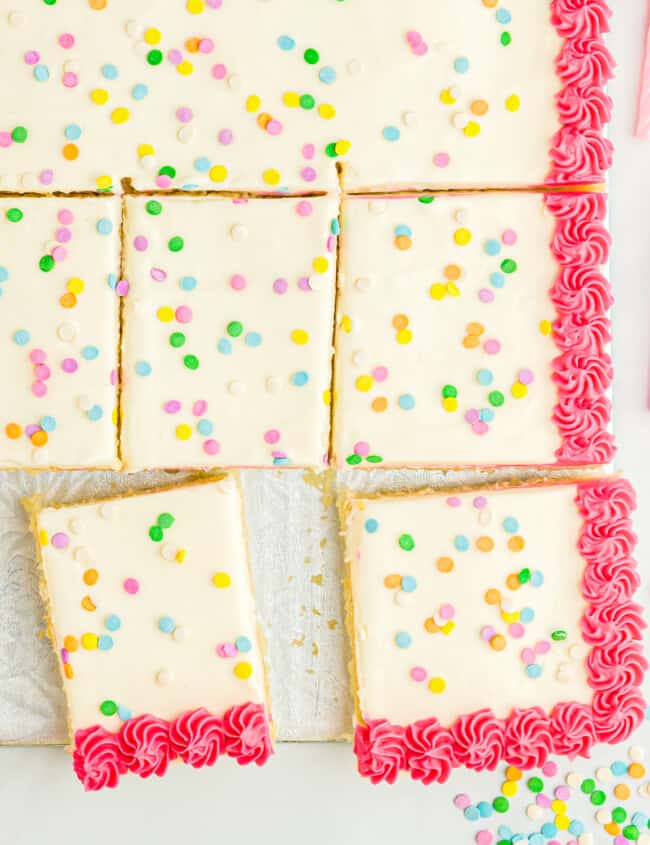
65, 216
413, 37
60, 540
32, 428
447, 611
163, 181
480, 502
274, 127
42, 372
32, 57
486, 295
157, 274
237, 282
516, 630
308, 174
308, 151
304, 208
303, 283
37, 356
59, 253
420, 50
113, 377
65, 655
509, 237
122, 287
184, 114
380, 373
206, 45
184, 314
453, 502
543, 801
331, 243
230, 649
277, 454
70, 80
484, 837
472, 416
220, 650
462, 801
199, 407
280, 286
219, 71
620, 840
492, 347
487, 632
175, 56
441, 159
549, 769
63, 235
362, 448
214, 4
5, 139
140, 243
66, 40
418, 673
173, 406
562, 793
131, 586
211, 447
480, 427
69, 365
542, 647
46, 177
528, 656
526, 376
225, 137
272, 435
39, 389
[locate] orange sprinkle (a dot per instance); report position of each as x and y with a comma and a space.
622, 791
192, 45
68, 300
392, 581
98, 5
490, 4
516, 543
475, 329
498, 642
39, 438
471, 341
492, 596
452, 272
479, 107
403, 242
400, 321
635, 770
70, 643
88, 604
13, 431
70, 152
263, 119
67, 671
379, 404
513, 773
430, 625
612, 828
90, 577
513, 582
445, 564
485, 544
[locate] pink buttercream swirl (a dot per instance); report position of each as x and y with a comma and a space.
429, 751
145, 745
580, 153
582, 296
528, 738
380, 750
479, 740
572, 729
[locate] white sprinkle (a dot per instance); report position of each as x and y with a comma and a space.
238, 232
236, 388
83, 554
507, 604
181, 634
273, 384
234, 82
455, 92
84, 403
409, 118
71, 66
586, 839
604, 774
460, 120
359, 358
578, 651
133, 28
106, 510
186, 134
534, 812
603, 816
40, 456
164, 678
403, 599
485, 517
67, 332
636, 754
461, 215
317, 283
168, 551
148, 162
76, 525
353, 67
573, 779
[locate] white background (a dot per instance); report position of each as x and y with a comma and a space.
310, 792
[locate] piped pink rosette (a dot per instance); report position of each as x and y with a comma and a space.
582, 297
580, 153
146, 745
612, 625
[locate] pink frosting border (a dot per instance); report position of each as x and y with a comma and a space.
580, 153
582, 296
146, 745
612, 625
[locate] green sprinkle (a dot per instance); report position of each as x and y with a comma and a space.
374, 459
14, 215
154, 207
496, 398
46, 263
311, 56
177, 339
535, 784
406, 542
598, 797
506, 38
524, 576
508, 265
559, 635
426, 200
108, 707
631, 832
235, 328
619, 814
154, 57
156, 533
165, 520
588, 785
353, 460
330, 150
501, 804
19, 134
50, 2
449, 392
167, 170
307, 102
176, 244
191, 362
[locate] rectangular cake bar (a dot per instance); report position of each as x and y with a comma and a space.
152, 616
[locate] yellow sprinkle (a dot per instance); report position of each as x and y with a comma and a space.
299, 337
185, 68
437, 685
195, 7
243, 670
472, 129
145, 150
320, 264
181, 554
450, 404
165, 314
342, 147
253, 103
519, 390
509, 618
291, 99
327, 397
114, 416
452, 290
218, 173
183, 431
545, 327
152, 35
562, 821
271, 176
326, 111
75, 285
437, 291
447, 628
99, 96
558, 806
364, 383
446, 97
120, 115
221, 580
509, 788
346, 324
43, 537
404, 336
513, 103
104, 183
462, 236
89, 641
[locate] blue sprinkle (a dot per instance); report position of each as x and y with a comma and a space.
504, 832
492, 247
536, 579
166, 624
105, 643
486, 415
517, 837
409, 584
403, 230
327, 75
576, 827
533, 670
536, 839
143, 368
124, 713
225, 346
461, 543
4, 274
527, 615
95, 413
190, 186
41, 73
391, 133
548, 830
72, 132
335, 227
639, 819
300, 378
202, 164
497, 280
471, 814
243, 644
403, 640
511, 525
461, 64
48, 424
113, 622
485, 809
253, 339
188, 283
205, 427
619, 767
109, 72
89, 353
281, 462
104, 226
406, 402
111, 280
484, 378
139, 91
22, 337
286, 42
503, 16
371, 525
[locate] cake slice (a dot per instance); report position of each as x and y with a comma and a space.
151, 613
492, 624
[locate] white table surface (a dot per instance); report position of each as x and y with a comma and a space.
310, 792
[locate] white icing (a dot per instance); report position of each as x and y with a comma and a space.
148, 671
250, 392
379, 281
30, 302
476, 675
380, 83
